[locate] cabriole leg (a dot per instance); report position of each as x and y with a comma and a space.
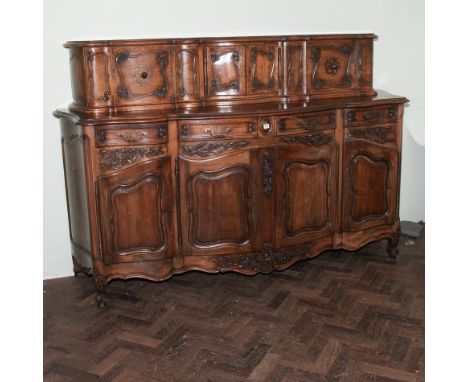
392, 245
100, 286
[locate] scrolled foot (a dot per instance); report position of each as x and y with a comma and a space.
78, 269
392, 246
101, 303
100, 286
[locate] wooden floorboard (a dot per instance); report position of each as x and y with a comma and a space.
343, 316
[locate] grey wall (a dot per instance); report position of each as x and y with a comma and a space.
398, 68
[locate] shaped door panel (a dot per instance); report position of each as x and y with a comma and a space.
219, 202
307, 193
370, 185
134, 212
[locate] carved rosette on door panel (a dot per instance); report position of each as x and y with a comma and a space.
331, 66
143, 74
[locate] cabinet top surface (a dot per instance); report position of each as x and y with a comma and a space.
148, 41
266, 109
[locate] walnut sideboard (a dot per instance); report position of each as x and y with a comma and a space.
241, 154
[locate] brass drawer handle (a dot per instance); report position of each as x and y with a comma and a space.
374, 116
133, 136
309, 124
218, 132
102, 135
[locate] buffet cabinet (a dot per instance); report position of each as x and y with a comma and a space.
241, 154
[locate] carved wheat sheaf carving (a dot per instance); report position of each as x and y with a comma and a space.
115, 159
263, 262
376, 134
207, 149
310, 140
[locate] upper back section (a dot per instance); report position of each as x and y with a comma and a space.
124, 75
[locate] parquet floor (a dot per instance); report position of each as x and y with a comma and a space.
342, 316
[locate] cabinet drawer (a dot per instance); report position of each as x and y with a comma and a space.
306, 122
118, 135
371, 115
217, 129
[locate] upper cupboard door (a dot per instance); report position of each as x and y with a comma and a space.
225, 67
143, 75
189, 71
331, 67
262, 69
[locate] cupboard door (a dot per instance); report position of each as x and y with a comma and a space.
225, 70
370, 185
307, 193
143, 75
218, 204
134, 206
263, 69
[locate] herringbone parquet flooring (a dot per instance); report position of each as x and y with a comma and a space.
342, 316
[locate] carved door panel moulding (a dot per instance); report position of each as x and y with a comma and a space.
144, 74
99, 76
295, 68
219, 201
226, 74
133, 212
306, 194
188, 81
240, 234
263, 69
370, 181
320, 169
330, 67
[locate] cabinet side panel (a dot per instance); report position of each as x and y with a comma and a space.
75, 184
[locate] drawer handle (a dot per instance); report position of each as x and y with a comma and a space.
282, 124
309, 124
133, 136
373, 117
102, 135
219, 132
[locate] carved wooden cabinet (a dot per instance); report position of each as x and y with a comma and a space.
238, 154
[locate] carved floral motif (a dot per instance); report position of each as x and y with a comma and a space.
267, 181
117, 158
332, 66
264, 261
